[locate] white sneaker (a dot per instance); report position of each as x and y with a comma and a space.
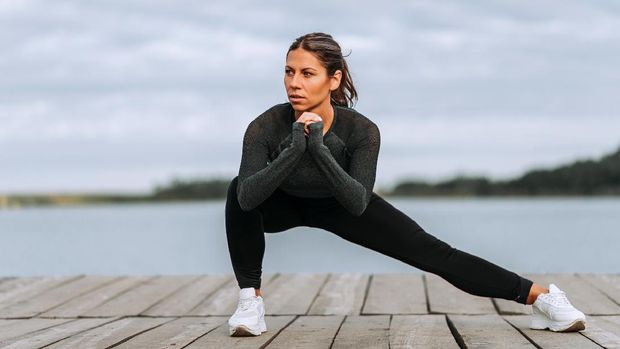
553, 310
249, 318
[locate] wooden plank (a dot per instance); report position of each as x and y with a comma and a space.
343, 294
609, 284
109, 334
396, 293
511, 307
580, 293
291, 294
311, 331
53, 334
604, 330
78, 306
224, 300
365, 331
7, 322
190, 296
446, 298
220, 338
488, 331
421, 331
3, 279
32, 287
139, 299
11, 284
174, 334
15, 328
54, 297
549, 339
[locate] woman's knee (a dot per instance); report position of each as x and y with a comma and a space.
231, 199
232, 187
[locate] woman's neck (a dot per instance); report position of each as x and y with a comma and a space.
324, 110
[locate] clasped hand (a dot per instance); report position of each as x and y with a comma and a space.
308, 118
314, 133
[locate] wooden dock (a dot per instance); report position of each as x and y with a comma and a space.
304, 310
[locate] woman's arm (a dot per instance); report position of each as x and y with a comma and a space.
353, 189
257, 178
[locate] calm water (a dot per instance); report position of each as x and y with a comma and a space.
524, 235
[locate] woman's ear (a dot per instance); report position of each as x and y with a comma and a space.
335, 80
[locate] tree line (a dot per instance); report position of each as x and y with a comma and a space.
580, 178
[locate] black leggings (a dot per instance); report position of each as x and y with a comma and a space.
381, 228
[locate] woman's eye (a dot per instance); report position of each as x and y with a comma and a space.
290, 71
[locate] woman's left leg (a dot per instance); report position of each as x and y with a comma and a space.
387, 230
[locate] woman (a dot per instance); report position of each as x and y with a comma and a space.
312, 162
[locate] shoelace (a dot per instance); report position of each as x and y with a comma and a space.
558, 298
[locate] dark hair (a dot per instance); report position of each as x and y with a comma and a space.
328, 52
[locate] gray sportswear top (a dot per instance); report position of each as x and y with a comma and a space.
277, 154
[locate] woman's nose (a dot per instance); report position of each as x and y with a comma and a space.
295, 81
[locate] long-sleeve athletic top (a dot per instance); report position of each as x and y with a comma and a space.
277, 154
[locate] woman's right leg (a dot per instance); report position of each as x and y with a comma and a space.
245, 231
387, 230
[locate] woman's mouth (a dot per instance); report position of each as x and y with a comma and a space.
296, 99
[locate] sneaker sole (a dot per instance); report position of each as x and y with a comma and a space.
542, 324
244, 331
574, 326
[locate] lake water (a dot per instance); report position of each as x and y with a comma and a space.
523, 235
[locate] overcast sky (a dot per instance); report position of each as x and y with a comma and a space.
124, 95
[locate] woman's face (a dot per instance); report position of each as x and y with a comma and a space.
304, 76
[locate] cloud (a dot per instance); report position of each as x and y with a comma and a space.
78, 77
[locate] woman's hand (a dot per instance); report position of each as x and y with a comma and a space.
307, 118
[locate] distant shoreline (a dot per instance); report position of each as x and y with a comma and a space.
582, 178
17, 202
